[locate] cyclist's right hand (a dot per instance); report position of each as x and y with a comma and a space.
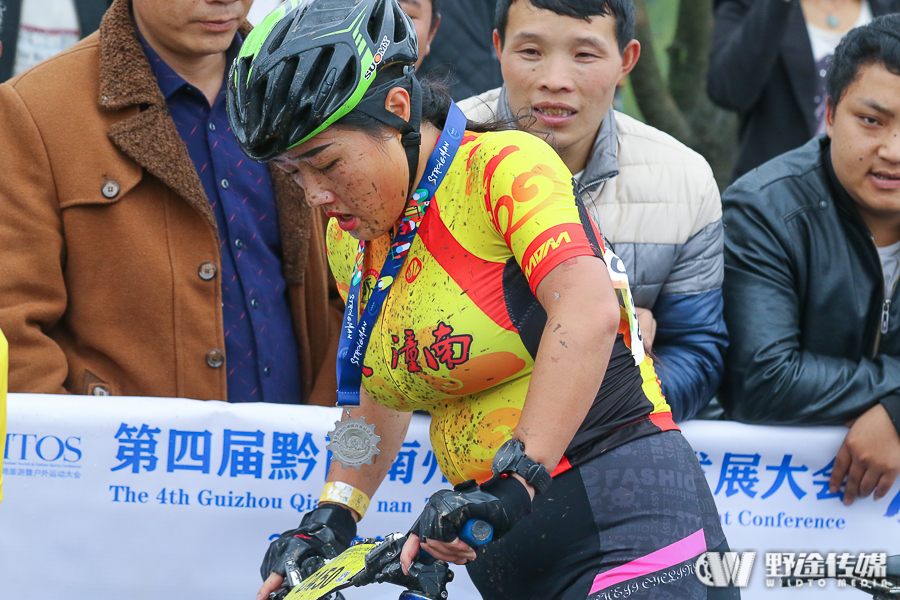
323, 533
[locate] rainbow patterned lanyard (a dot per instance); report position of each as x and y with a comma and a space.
355, 331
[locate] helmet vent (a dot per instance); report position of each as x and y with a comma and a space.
277, 37
324, 90
278, 86
400, 34
316, 79
348, 78
376, 22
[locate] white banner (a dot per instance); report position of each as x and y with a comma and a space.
771, 489
152, 498
156, 498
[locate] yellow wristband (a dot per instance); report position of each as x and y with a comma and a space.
346, 494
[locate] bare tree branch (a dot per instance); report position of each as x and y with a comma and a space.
650, 90
680, 106
689, 53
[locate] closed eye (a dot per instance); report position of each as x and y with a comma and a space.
330, 165
286, 167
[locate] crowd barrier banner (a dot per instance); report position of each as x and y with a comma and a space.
152, 498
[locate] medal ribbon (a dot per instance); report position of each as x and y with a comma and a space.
356, 331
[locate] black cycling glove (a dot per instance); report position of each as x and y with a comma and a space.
323, 533
502, 501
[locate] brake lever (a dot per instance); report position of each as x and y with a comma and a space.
292, 580
425, 580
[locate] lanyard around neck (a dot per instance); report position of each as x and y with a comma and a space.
356, 331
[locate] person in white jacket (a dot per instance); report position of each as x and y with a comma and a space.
653, 198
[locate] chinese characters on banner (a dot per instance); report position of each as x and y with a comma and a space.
287, 455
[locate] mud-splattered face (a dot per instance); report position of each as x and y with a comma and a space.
355, 178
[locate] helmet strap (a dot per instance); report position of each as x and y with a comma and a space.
410, 137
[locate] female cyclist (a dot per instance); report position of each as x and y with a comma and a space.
477, 289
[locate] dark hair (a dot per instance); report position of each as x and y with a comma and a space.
875, 43
436, 101
621, 10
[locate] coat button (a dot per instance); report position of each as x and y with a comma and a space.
254, 303
100, 390
267, 371
110, 189
215, 358
207, 271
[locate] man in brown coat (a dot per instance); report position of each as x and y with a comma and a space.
114, 254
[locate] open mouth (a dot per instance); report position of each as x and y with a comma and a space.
887, 176
888, 181
549, 111
345, 221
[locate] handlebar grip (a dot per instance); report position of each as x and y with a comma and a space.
477, 533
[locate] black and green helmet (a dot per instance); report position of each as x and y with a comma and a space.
311, 62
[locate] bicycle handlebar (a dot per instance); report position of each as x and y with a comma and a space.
427, 577
475, 533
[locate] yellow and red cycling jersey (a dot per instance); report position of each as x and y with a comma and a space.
460, 328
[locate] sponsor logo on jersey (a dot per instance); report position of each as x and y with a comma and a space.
545, 249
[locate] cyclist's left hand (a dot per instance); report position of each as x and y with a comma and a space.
869, 457
457, 552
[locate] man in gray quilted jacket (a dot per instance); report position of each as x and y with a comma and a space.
653, 198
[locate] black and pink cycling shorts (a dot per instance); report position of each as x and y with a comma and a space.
627, 524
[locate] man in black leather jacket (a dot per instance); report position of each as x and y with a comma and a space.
815, 328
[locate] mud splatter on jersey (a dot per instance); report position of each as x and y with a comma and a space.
459, 331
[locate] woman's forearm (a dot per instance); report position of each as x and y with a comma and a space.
582, 320
391, 425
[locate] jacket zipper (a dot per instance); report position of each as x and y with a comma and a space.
885, 306
583, 189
